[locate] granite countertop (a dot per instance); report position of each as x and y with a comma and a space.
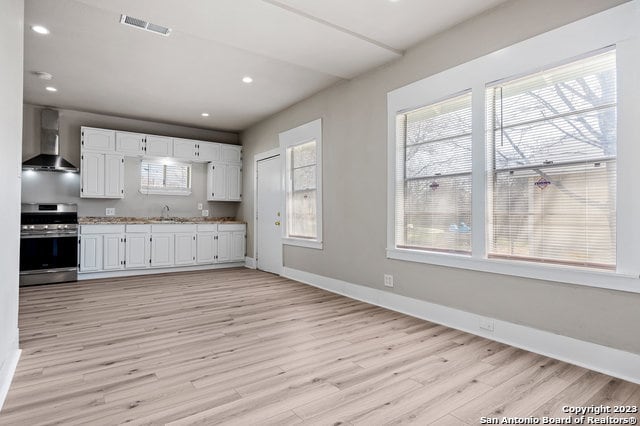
100, 220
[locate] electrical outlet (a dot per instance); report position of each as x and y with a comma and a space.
486, 324
205, 212
199, 206
388, 280
110, 211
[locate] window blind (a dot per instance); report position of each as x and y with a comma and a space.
433, 177
302, 191
552, 148
165, 177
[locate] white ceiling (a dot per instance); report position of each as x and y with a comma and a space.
292, 49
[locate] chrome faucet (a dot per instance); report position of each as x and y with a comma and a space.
165, 211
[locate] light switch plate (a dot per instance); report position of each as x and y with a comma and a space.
205, 212
199, 206
110, 211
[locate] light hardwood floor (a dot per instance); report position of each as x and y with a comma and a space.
249, 348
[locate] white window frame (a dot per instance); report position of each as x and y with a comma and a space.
152, 191
308, 132
616, 26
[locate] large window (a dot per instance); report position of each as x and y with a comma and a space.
525, 161
552, 140
433, 204
303, 184
165, 178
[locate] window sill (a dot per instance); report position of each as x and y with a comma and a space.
164, 192
556, 273
300, 242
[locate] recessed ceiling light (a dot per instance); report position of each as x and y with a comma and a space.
205, 114
247, 79
40, 29
51, 89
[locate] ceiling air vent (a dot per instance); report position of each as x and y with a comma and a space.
144, 25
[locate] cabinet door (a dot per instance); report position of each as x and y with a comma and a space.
185, 248
237, 246
98, 139
185, 149
92, 171
114, 176
217, 175
234, 182
129, 143
137, 251
224, 247
162, 253
90, 253
231, 153
206, 247
113, 252
208, 151
158, 146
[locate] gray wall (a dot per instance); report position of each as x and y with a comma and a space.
355, 199
11, 58
62, 187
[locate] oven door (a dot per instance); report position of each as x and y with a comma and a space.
49, 254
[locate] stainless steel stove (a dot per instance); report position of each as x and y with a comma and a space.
48, 243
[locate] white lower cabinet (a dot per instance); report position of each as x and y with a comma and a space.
185, 248
119, 247
162, 250
113, 252
231, 242
90, 253
138, 250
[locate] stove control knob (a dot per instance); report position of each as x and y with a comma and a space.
46, 226
66, 226
25, 227
32, 227
59, 226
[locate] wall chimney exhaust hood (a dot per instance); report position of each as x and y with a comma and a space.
49, 158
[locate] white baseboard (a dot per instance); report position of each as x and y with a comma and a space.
614, 362
7, 370
250, 262
133, 272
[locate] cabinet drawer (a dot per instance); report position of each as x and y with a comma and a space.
101, 229
139, 228
173, 228
209, 227
231, 227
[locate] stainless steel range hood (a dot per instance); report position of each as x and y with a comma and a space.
49, 158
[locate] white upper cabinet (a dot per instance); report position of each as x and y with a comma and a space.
231, 153
185, 149
92, 170
234, 182
158, 146
130, 143
113, 176
217, 182
208, 151
97, 139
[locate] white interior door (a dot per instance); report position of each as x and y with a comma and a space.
269, 215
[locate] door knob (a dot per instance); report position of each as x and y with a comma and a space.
277, 223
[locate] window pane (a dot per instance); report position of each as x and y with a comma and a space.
438, 214
433, 182
177, 176
158, 176
304, 178
303, 155
302, 221
152, 175
561, 214
553, 149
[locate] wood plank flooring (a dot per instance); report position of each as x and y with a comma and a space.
249, 348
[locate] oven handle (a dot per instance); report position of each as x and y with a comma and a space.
47, 271
56, 235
